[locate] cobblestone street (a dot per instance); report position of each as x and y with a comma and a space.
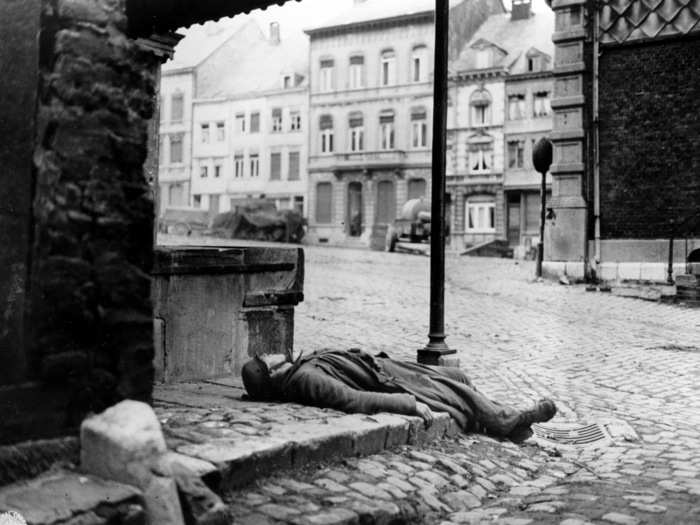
598, 355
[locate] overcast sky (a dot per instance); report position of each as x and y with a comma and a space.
296, 16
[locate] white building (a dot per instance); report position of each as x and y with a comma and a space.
500, 91
371, 96
234, 106
250, 124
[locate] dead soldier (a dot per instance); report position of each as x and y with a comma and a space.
355, 381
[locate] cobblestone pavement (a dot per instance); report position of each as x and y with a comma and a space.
599, 356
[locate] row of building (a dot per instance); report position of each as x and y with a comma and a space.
337, 123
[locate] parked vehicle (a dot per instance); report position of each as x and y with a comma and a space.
412, 227
259, 220
183, 220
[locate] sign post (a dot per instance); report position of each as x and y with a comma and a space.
542, 160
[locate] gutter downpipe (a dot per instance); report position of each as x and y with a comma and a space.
596, 154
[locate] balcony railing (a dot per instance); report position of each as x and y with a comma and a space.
359, 160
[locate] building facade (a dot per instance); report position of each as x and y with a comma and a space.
250, 125
371, 116
625, 167
234, 111
499, 107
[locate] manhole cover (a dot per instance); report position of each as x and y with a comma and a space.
598, 434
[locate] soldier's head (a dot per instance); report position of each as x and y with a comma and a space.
257, 380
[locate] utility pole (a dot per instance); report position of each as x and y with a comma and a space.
542, 160
436, 347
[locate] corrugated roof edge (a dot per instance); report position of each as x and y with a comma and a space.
366, 23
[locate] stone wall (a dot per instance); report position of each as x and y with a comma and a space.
90, 316
649, 128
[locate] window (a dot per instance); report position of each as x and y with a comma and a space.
275, 166
533, 63
238, 165
480, 108
204, 172
388, 72
295, 118
220, 132
540, 106
298, 203
324, 202
416, 188
483, 58
516, 154
419, 62
326, 75
386, 129
175, 149
480, 158
326, 126
177, 107
419, 128
287, 82
205, 133
217, 171
357, 132
254, 165
293, 166
516, 107
357, 67
197, 201
480, 216
240, 123
255, 122
276, 120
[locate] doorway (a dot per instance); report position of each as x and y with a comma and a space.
355, 216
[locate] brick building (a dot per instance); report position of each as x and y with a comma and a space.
500, 91
371, 113
625, 174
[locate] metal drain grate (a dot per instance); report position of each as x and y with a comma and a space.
570, 435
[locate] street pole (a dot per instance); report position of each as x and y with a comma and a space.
436, 347
542, 160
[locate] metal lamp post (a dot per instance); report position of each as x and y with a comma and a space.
436, 347
542, 160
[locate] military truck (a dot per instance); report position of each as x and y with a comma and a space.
412, 226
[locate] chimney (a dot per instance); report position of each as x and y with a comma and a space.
520, 10
274, 33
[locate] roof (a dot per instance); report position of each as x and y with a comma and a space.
630, 20
514, 37
374, 10
259, 67
201, 41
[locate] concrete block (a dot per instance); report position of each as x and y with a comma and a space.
576, 271
162, 501
656, 272
608, 272
629, 271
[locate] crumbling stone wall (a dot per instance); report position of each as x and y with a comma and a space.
91, 313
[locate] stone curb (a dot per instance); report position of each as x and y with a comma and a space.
303, 444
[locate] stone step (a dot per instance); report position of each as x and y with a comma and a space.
69, 498
244, 441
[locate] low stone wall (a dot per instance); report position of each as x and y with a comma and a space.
217, 307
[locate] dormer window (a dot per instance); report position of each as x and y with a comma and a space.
483, 58
287, 82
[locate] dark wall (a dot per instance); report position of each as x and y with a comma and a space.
82, 207
649, 137
19, 27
